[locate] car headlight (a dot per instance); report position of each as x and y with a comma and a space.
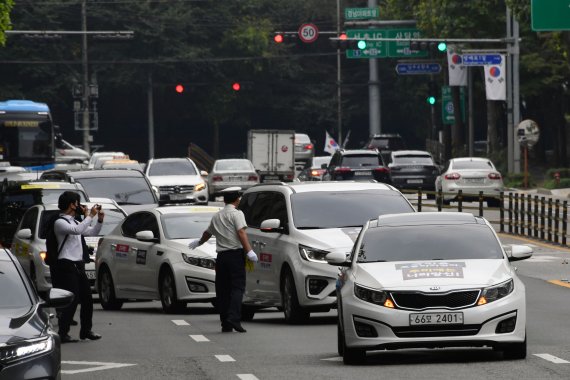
312, 254
199, 261
496, 292
376, 297
25, 349
200, 186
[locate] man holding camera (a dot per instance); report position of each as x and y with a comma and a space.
69, 271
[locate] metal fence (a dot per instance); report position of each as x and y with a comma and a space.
528, 215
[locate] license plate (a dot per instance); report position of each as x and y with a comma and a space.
234, 179
415, 181
436, 319
179, 197
271, 177
362, 173
474, 180
90, 274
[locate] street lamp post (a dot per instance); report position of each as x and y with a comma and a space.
85, 65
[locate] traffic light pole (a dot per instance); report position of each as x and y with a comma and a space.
338, 77
86, 89
375, 125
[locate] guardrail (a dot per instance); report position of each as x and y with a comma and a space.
520, 214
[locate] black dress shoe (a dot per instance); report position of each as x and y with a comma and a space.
67, 339
236, 326
89, 335
227, 329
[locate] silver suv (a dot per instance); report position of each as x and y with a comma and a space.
292, 227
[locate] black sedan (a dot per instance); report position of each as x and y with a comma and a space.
413, 169
29, 347
357, 165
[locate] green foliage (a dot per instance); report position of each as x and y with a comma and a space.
564, 173
552, 184
516, 180
5, 8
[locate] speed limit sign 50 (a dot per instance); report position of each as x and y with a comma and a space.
308, 33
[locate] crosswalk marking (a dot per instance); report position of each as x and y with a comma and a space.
199, 338
552, 358
225, 358
247, 376
180, 322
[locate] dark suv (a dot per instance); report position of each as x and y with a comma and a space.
386, 143
357, 165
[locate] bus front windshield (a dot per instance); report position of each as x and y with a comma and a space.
26, 139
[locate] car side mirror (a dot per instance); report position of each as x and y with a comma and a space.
145, 235
337, 259
517, 252
203, 173
57, 298
271, 225
24, 233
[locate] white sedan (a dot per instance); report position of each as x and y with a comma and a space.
471, 175
146, 257
430, 280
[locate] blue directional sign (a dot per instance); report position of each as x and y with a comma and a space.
480, 59
418, 68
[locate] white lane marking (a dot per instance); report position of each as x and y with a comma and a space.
199, 338
180, 322
225, 358
99, 366
335, 359
247, 376
552, 358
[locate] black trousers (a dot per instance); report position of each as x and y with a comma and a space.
71, 276
230, 285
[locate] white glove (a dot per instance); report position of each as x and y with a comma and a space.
252, 256
194, 243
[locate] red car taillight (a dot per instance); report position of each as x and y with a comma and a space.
317, 172
342, 170
382, 170
217, 178
495, 176
252, 178
452, 176
309, 146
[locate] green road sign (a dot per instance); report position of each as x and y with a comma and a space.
550, 14
447, 115
384, 49
361, 13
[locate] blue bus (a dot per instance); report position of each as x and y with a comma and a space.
27, 134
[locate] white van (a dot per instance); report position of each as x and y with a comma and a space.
65, 153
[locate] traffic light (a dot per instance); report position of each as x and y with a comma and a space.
343, 43
179, 88
432, 93
236, 86
280, 38
431, 47
442, 46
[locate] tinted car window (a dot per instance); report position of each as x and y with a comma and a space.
344, 208
354, 161
13, 293
184, 226
233, 165
429, 242
112, 219
178, 167
140, 221
486, 165
393, 143
412, 160
29, 220
261, 209
124, 190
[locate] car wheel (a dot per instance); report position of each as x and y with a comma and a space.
515, 351
352, 356
247, 312
168, 297
294, 313
107, 291
339, 339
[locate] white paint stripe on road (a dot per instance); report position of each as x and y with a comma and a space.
199, 338
180, 322
552, 358
225, 358
99, 366
247, 376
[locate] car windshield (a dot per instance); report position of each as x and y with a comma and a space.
13, 292
124, 190
336, 209
355, 161
387, 143
50, 196
174, 167
238, 165
413, 160
477, 164
185, 226
429, 242
112, 218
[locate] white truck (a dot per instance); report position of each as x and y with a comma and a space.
272, 153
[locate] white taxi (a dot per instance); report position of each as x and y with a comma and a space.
146, 257
430, 280
29, 243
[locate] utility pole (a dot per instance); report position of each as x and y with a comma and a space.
375, 126
150, 106
85, 81
338, 77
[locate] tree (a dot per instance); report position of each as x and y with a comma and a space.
5, 8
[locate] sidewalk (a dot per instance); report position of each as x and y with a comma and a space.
562, 194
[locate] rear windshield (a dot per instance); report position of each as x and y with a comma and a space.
233, 166
13, 292
185, 226
413, 160
472, 165
355, 161
344, 208
178, 167
388, 143
124, 190
429, 242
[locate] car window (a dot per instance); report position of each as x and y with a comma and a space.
301, 138
178, 167
12, 288
484, 165
185, 226
30, 219
245, 204
412, 160
391, 143
140, 221
278, 209
429, 242
261, 209
124, 190
336, 209
112, 218
233, 165
51, 196
355, 161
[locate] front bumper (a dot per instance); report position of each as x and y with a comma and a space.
194, 284
189, 197
316, 284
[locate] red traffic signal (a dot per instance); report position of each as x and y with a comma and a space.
343, 36
236, 86
179, 88
278, 38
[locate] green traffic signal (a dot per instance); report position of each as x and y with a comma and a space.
442, 46
431, 100
361, 45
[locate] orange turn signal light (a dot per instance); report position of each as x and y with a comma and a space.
389, 303
482, 301
43, 255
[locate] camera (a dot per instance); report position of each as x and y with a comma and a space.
98, 207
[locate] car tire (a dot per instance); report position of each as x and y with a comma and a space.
247, 312
351, 356
339, 339
515, 351
168, 296
107, 291
294, 313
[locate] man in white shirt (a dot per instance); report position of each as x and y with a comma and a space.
69, 271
